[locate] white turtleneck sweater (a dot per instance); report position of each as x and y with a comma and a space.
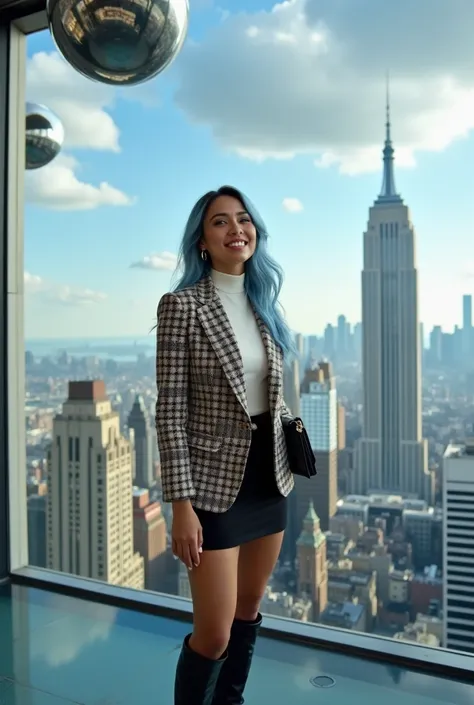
230, 289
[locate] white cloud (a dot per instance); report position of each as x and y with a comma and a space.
85, 109
81, 104
163, 261
64, 294
32, 282
292, 205
307, 77
68, 296
57, 186
468, 270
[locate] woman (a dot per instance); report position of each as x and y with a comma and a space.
220, 347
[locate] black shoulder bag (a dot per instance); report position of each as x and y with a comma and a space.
300, 455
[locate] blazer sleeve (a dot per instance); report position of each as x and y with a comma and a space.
172, 377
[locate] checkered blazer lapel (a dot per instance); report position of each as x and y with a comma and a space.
217, 327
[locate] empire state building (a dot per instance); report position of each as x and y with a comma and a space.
391, 456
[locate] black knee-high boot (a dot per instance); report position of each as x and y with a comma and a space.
235, 671
196, 677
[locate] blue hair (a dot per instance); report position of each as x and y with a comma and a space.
263, 276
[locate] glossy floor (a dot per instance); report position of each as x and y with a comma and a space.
56, 650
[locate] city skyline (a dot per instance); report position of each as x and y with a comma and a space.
149, 339
103, 222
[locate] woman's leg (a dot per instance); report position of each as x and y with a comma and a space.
214, 592
257, 560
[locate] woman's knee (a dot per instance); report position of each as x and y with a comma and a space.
214, 591
211, 641
248, 606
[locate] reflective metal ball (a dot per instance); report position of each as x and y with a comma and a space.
118, 42
44, 136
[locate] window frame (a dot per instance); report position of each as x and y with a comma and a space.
4, 505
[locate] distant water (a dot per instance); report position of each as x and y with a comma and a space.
117, 348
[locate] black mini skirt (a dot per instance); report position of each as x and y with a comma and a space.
259, 509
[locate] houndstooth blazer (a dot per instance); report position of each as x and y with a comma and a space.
203, 424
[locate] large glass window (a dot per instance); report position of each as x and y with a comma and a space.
364, 183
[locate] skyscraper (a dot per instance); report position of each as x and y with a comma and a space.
37, 530
467, 329
89, 508
343, 333
436, 345
319, 410
312, 563
458, 551
291, 386
150, 539
467, 312
392, 455
139, 422
329, 347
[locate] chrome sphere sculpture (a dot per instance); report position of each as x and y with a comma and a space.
44, 136
118, 42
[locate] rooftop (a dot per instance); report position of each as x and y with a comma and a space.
345, 612
460, 450
87, 391
61, 650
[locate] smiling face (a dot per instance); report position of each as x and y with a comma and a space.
230, 237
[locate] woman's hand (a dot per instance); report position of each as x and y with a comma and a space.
186, 534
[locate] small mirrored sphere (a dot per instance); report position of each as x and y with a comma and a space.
118, 42
44, 136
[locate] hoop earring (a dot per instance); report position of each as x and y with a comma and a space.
204, 255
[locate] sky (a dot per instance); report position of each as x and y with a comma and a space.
287, 103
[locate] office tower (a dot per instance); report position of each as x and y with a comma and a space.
392, 455
314, 349
320, 413
150, 537
312, 563
458, 543
138, 420
458, 344
37, 530
341, 426
291, 386
89, 509
300, 344
436, 345
423, 528
342, 338
329, 347
467, 329
467, 312
358, 341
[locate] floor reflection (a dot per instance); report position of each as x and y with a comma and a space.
56, 650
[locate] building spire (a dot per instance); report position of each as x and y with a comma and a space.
389, 191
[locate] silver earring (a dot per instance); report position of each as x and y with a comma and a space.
204, 255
